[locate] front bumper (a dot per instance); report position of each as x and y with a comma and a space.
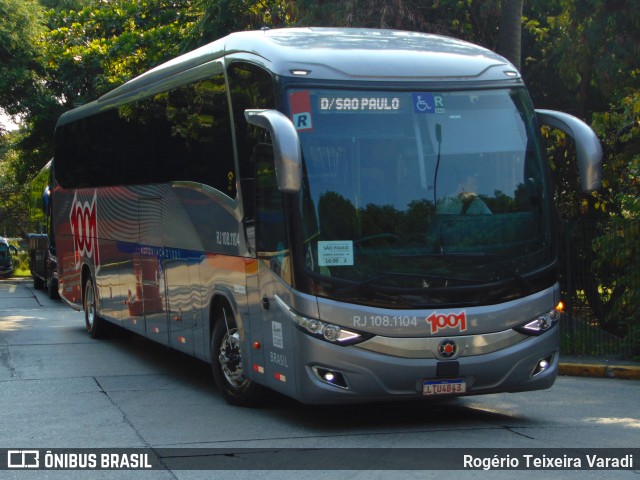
373, 376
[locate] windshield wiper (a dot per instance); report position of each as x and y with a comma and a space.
497, 265
420, 276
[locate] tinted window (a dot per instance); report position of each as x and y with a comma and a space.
251, 87
438, 193
180, 135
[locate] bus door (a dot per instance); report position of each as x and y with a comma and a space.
274, 274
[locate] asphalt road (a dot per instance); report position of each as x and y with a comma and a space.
61, 389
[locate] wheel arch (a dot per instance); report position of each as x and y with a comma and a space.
88, 273
221, 298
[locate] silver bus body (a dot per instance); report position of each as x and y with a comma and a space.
322, 317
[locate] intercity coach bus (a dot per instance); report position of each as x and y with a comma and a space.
42, 250
340, 215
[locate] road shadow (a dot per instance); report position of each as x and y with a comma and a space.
195, 374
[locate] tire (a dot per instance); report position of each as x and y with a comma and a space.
38, 283
96, 326
52, 289
226, 363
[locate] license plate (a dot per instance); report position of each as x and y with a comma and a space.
443, 387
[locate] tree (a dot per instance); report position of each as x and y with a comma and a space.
21, 25
219, 18
398, 14
71, 54
594, 47
495, 24
13, 204
510, 34
598, 47
89, 51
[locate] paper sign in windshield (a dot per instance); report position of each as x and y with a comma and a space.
335, 253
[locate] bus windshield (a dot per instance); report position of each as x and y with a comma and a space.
422, 198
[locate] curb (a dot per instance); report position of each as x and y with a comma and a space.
599, 371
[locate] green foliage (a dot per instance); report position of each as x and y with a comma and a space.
89, 51
22, 89
475, 21
599, 44
218, 18
619, 129
399, 14
579, 56
37, 221
19, 30
617, 252
21, 264
13, 193
23, 92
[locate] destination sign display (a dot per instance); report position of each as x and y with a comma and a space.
359, 104
305, 105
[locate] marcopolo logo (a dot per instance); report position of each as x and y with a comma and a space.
447, 349
84, 229
439, 321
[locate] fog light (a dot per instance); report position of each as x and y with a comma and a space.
542, 366
330, 377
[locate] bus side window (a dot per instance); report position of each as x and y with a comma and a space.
250, 87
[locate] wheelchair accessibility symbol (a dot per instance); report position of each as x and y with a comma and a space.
422, 105
427, 103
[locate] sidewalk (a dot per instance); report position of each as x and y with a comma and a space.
598, 367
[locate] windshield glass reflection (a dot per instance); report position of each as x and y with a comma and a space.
414, 193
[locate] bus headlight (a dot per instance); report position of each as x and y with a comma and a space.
322, 330
325, 331
543, 323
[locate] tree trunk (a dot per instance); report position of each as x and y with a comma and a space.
509, 36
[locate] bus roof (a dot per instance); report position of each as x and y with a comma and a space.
339, 54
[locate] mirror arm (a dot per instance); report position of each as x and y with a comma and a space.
588, 149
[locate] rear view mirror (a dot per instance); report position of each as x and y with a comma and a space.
588, 147
286, 147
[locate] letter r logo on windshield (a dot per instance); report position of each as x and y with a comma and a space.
300, 103
302, 121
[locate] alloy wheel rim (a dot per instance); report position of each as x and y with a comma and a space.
230, 359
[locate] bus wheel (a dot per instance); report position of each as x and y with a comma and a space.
52, 289
38, 283
226, 363
95, 325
